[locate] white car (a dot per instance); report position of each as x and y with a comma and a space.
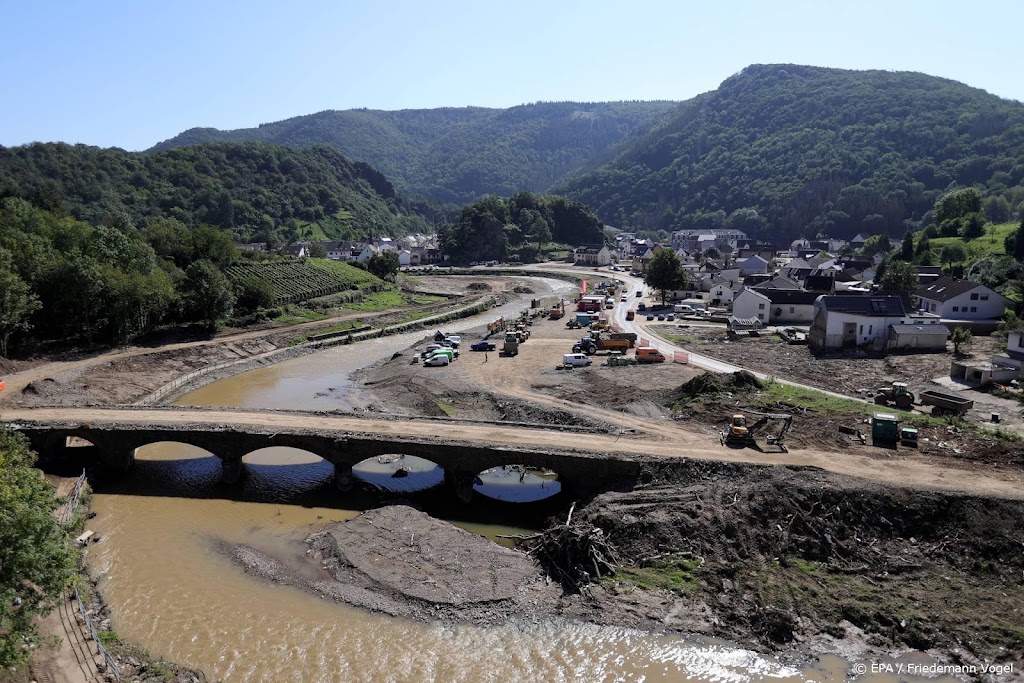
454, 339
622, 299
438, 360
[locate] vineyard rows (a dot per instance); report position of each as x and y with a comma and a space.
295, 281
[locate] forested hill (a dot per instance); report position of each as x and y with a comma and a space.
780, 150
252, 190
459, 154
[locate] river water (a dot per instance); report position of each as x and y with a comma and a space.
171, 588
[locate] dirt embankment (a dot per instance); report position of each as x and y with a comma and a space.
402, 562
785, 555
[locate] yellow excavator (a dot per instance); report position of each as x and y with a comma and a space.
740, 434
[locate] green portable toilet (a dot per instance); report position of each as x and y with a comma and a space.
885, 429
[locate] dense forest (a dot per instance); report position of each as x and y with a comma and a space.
782, 151
458, 155
252, 191
518, 228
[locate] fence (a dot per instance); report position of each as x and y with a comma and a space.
68, 513
108, 661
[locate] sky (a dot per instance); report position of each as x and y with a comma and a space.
129, 74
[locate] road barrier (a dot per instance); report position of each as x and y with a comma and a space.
644, 343
682, 357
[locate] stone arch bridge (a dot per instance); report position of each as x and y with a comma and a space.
116, 444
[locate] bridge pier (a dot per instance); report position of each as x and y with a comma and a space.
119, 461
462, 482
344, 480
230, 470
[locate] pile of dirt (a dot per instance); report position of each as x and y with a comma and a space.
478, 287
712, 384
783, 553
402, 562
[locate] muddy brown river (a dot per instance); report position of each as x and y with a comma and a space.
171, 589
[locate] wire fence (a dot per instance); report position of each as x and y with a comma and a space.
109, 663
68, 513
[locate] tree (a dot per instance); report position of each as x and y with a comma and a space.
252, 295
383, 265
36, 562
712, 253
961, 337
957, 204
953, 252
316, 250
973, 226
1018, 242
907, 247
665, 273
17, 303
900, 278
206, 294
996, 209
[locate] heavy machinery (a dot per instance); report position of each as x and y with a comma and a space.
511, 346
595, 342
739, 433
557, 311
898, 394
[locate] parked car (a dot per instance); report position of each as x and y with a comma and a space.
437, 360
641, 306
454, 339
578, 360
650, 316
622, 298
661, 316
670, 317
483, 345
451, 354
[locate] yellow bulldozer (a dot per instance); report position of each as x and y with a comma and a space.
741, 434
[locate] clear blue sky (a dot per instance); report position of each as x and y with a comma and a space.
131, 73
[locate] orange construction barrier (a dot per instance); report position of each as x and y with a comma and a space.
682, 357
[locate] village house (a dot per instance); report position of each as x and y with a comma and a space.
857, 320
642, 255
775, 306
592, 255
961, 300
707, 238
753, 265
295, 250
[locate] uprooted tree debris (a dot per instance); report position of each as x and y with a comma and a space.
574, 554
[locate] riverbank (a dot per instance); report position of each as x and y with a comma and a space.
791, 561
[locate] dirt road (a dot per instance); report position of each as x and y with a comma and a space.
672, 442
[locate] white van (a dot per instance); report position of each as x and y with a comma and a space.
685, 309
577, 360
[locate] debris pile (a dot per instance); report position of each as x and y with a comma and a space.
574, 554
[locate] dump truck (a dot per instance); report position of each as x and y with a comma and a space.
945, 404
739, 433
594, 343
898, 394
557, 311
628, 336
511, 346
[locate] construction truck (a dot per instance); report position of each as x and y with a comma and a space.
511, 347
741, 434
557, 311
595, 342
898, 394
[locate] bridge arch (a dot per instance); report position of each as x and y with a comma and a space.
284, 469
517, 483
399, 472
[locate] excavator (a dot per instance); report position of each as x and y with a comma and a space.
739, 433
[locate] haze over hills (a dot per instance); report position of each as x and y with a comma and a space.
459, 154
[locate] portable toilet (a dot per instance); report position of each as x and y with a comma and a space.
885, 429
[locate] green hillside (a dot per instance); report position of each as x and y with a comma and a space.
458, 154
252, 190
295, 281
784, 150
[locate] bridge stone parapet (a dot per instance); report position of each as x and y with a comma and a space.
115, 446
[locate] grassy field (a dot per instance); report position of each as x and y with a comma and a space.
382, 301
989, 245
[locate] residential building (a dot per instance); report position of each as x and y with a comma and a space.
961, 300
296, 250
752, 304
775, 306
917, 337
592, 255
753, 265
719, 237
857, 320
